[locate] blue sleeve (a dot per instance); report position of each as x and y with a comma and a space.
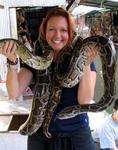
93, 66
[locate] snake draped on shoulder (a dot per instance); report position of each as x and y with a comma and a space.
65, 72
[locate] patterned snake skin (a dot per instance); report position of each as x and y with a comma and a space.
29, 58
106, 51
67, 72
70, 74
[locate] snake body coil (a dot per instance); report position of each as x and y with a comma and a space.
66, 72
36, 62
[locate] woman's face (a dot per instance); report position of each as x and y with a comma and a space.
57, 33
115, 115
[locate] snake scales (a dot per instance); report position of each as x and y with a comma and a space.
53, 77
29, 58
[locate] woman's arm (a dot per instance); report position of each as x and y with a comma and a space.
17, 82
86, 86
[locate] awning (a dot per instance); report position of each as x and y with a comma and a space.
31, 3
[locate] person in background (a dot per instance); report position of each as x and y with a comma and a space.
107, 132
68, 134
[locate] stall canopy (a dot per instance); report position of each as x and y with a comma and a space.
31, 3
99, 3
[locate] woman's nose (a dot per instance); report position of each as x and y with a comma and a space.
57, 33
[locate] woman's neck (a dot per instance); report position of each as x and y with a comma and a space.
56, 55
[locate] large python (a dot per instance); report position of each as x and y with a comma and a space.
107, 53
67, 72
36, 62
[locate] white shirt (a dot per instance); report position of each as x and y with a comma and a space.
107, 133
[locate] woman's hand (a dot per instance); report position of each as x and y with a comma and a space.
8, 50
91, 55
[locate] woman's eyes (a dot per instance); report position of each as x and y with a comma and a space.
64, 30
50, 29
61, 30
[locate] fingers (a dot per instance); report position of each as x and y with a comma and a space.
91, 55
8, 49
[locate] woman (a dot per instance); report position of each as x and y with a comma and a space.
69, 134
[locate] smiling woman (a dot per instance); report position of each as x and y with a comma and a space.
50, 96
